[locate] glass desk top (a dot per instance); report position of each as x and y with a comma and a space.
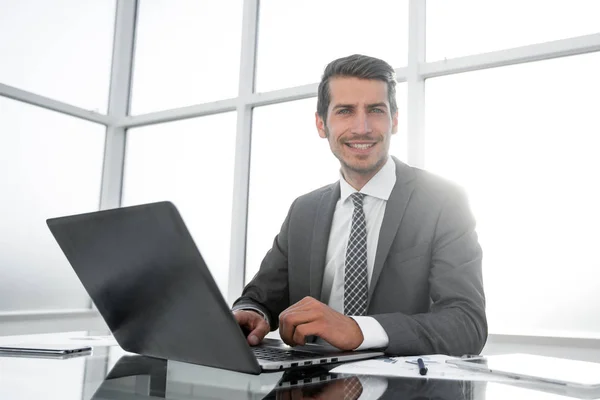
110, 373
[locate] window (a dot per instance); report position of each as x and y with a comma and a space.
524, 143
296, 40
59, 49
187, 52
189, 163
50, 166
463, 27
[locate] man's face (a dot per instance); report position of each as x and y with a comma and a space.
359, 124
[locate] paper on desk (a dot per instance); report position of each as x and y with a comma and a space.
406, 367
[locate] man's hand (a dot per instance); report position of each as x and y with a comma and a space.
311, 317
253, 324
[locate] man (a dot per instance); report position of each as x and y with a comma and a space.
385, 258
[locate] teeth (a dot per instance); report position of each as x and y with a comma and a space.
361, 146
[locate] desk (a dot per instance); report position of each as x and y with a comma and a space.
111, 374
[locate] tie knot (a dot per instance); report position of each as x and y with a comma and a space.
357, 199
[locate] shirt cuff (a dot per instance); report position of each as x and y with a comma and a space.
374, 335
258, 310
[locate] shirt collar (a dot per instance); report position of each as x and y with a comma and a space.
379, 186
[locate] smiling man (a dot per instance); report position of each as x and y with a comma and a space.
387, 257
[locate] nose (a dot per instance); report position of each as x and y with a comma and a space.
361, 125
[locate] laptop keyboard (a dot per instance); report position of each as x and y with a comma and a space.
273, 354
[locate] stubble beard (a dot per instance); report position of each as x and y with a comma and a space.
369, 169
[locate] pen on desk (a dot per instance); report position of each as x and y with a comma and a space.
422, 367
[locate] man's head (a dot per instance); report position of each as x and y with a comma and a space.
357, 66
357, 113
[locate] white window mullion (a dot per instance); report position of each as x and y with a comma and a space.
416, 84
241, 179
118, 103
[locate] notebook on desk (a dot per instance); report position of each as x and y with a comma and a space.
151, 285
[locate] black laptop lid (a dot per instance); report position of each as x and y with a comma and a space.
148, 280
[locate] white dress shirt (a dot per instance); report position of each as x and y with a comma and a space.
377, 192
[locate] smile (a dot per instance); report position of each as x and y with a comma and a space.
360, 146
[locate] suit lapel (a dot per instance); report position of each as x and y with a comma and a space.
394, 211
322, 227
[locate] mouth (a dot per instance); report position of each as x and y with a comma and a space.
361, 147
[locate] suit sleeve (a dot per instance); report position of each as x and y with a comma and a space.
268, 291
456, 323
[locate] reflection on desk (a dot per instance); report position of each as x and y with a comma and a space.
376, 387
143, 376
110, 374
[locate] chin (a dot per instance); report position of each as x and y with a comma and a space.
363, 168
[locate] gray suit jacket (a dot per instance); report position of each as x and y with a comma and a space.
426, 290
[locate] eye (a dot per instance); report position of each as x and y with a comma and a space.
343, 111
377, 111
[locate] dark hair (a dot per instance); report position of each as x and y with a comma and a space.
357, 66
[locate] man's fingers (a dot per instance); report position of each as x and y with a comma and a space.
258, 333
253, 324
304, 330
304, 311
289, 322
333, 327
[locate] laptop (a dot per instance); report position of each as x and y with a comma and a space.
143, 271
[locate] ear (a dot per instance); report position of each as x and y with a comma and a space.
395, 123
320, 123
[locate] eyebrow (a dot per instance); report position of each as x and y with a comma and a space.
343, 106
354, 106
377, 105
